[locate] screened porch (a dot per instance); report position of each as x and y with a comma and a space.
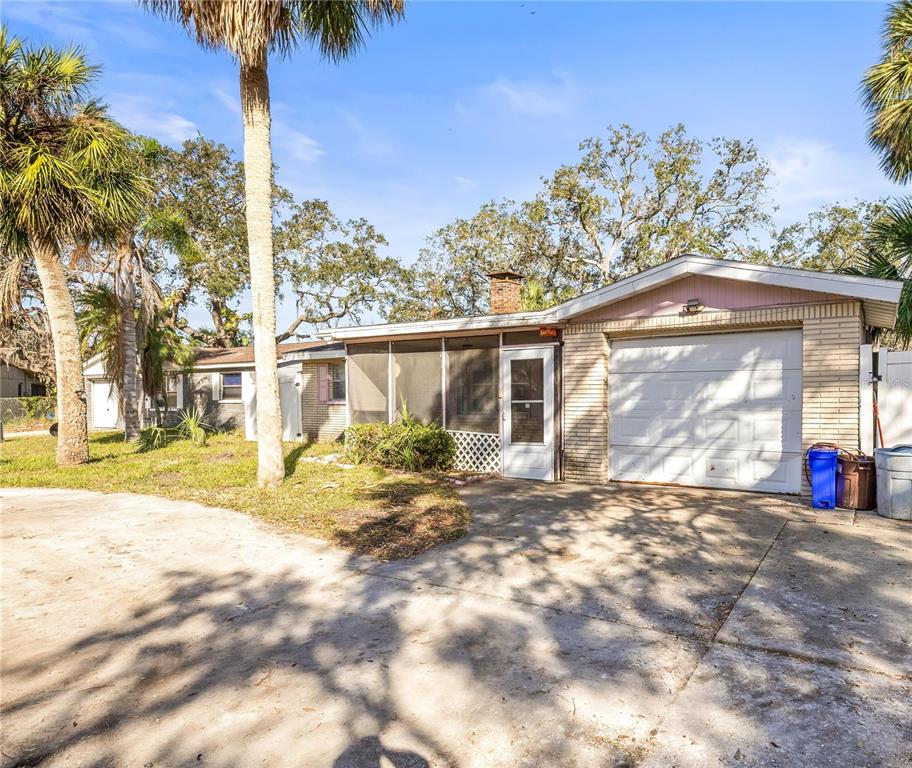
456, 381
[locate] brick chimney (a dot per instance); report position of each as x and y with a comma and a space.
505, 292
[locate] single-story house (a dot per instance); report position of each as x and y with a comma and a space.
221, 384
16, 381
699, 372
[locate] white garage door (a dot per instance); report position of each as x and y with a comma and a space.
722, 411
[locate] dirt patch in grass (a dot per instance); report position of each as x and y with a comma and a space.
408, 515
366, 509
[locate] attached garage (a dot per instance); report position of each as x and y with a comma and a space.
721, 410
699, 372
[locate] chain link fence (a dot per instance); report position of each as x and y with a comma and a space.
28, 412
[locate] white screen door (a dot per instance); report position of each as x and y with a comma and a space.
527, 383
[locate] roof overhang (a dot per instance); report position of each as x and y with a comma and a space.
337, 351
450, 325
879, 298
216, 366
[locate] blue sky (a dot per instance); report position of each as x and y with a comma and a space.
467, 102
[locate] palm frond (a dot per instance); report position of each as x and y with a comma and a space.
99, 332
250, 29
887, 95
67, 171
887, 254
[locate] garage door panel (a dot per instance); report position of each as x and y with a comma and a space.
768, 350
764, 430
740, 427
775, 472
631, 391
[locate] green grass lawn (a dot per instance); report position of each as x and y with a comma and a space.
367, 509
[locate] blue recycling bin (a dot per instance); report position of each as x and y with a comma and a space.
822, 468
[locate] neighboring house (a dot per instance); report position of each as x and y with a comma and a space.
221, 384
19, 382
697, 372
311, 389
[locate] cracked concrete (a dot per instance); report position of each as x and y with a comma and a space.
573, 626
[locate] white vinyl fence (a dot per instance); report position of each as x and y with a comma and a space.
894, 397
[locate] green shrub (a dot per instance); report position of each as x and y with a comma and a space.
406, 444
153, 438
38, 407
192, 427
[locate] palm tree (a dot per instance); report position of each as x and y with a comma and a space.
129, 274
64, 177
250, 30
887, 254
887, 93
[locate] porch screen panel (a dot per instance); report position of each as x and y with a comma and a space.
472, 373
418, 374
368, 382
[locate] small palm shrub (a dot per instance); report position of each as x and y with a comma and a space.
192, 427
153, 438
406, 444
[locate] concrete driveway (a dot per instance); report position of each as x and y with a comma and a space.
614, 626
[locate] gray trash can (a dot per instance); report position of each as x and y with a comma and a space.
894, 481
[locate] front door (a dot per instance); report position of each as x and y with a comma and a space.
104, 405
527, 383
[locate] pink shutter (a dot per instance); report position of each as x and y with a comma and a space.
323, 382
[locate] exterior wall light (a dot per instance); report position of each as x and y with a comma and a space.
693, 306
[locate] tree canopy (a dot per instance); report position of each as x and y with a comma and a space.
628, 204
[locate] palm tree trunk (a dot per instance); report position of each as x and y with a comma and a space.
125, 294
258, 192
72, 436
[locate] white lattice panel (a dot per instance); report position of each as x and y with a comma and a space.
477, 452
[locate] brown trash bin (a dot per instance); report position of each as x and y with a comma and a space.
855, 481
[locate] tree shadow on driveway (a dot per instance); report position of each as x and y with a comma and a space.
562, 634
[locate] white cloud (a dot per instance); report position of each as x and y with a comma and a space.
297, 145
533, 98
807, 173
70, 23
464, 184
147, 116
367, 141
65, 21
231, 102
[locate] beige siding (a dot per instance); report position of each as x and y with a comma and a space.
586, 407
830, 396
319, 421
832, 334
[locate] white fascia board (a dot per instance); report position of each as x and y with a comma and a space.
325, 354
651, 278
221, 367
865, 288
451, 325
